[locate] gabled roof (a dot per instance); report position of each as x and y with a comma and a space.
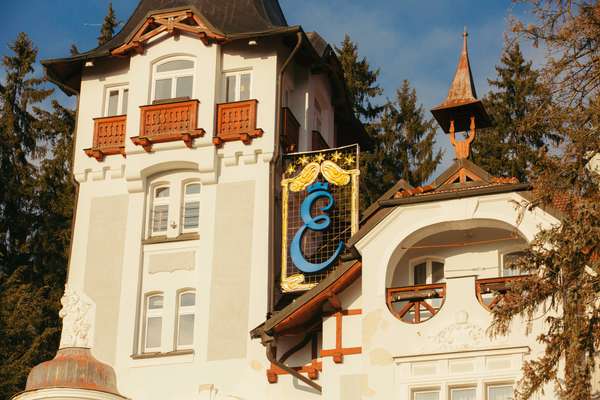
309, 306
462, 179
231, 19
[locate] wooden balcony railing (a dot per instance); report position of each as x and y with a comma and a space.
109, 137
236, 121
416, 304
168, 122
491, 291
291, 130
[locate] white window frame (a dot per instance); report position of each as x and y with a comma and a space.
176, 180
489, 385
428, 260
173, 75
160, 201
190, 198
120, 89
184, 310
427, 390
506, 252
238, 75
452, 388
152, 313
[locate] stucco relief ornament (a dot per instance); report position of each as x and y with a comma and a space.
77, 314
459, 336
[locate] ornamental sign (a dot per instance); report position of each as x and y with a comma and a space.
319, 213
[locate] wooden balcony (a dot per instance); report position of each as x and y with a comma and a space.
168, 122
109, 137
291, 130
491, 291
236, 121
416, 304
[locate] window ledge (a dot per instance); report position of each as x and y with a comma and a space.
163, 239
144, 356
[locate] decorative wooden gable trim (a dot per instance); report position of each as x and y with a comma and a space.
170, 22
463, 175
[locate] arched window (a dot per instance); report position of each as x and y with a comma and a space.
186, 305
173, 78
191, 207
160, 210
425, 271
153, 323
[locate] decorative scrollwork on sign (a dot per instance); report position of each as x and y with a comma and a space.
319, 213
77, 314
305, 178
335, 174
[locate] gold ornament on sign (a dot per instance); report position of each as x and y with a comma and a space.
290, 169
307, 176
349, 160
336, 156
303, 160
319, 158
335, 174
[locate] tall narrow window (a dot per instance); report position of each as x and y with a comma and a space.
420, 274
237, 86
116, 101
185, 319
154, 318
173, 79
191, 207
160, 210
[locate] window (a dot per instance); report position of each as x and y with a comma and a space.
173, 79
191, 207
116, 101
173, 209
237, 86
185, 319
508, 261
500, 392
153, 328
426, 395
463, 393
427, 271
160, 210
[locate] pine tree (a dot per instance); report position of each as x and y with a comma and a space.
35, 217
512, 146
108, 26
404, 146
361, 81
564, 261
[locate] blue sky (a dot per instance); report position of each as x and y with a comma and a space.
407, 39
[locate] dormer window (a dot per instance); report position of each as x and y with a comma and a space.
173, 78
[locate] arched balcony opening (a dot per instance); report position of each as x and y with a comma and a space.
419, 267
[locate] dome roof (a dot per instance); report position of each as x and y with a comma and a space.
73, 368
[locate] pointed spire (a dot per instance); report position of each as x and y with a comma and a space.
461, 103
462, 89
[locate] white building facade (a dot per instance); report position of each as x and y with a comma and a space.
182, 122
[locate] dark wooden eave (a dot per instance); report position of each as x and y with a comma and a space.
308, 307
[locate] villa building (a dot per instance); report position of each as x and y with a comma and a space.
218, 251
